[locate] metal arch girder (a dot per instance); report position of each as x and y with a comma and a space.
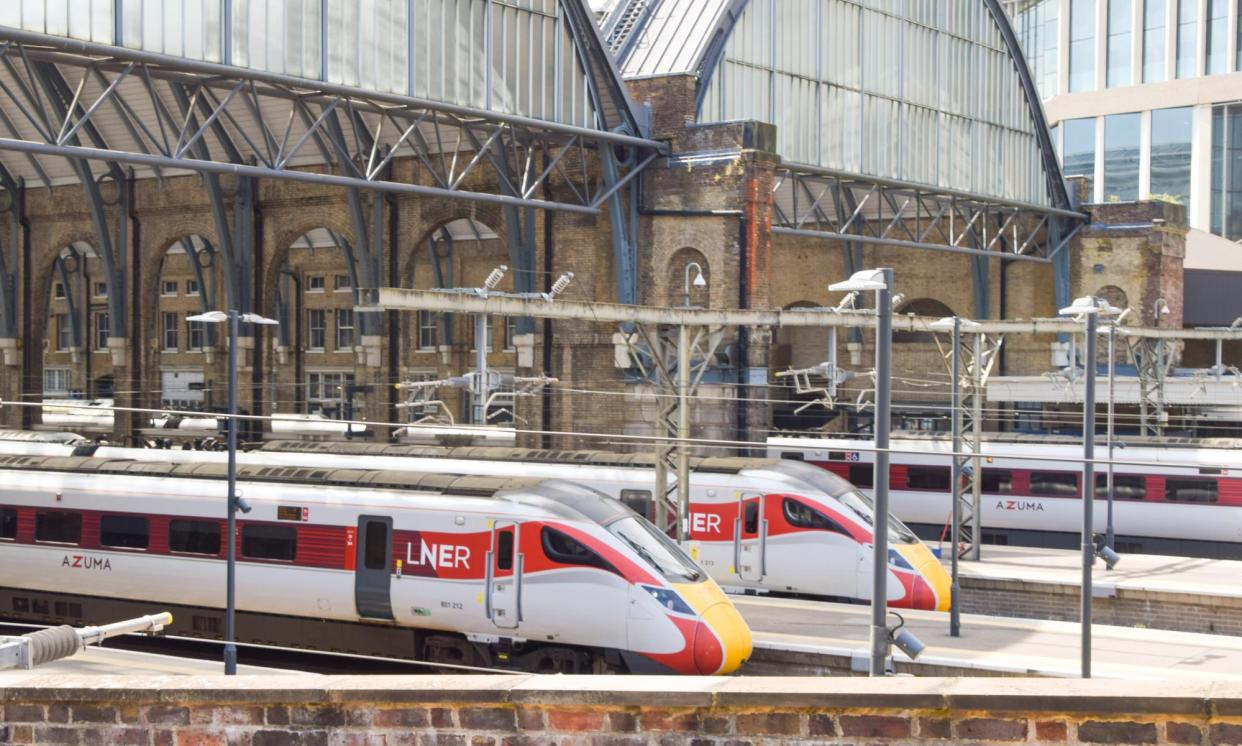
204, 289
75, 318
885, 212
265, 117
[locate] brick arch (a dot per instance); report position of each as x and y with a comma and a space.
437, 214
675, 277
283, 241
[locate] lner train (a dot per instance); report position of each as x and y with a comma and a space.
1183, 500
533, 574
755, 524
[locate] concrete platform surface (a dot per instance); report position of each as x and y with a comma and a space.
96, 661
1012, 646
1135, 572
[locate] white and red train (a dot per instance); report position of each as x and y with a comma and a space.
755, 524
533, 574
1184, 500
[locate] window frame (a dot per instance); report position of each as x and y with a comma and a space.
939, 471
1185, 481
313, 330
560, 558
9, 517
103, 330
196, 522
316, 283
342, 345
243, 553
146, 525
339, 287
431, 329
166, 331
68, 513
1030, 488
164, 288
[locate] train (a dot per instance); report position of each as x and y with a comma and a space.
1180, 498
530, 574
755, 524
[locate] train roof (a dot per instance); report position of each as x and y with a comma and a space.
714, 465
445, 484
32, 436
1020, 439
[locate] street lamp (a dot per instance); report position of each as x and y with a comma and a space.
955, 324
1089, 309
699, 280
234, 502
1109, 534
881, 281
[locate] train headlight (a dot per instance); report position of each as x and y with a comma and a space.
669, 599
896, 560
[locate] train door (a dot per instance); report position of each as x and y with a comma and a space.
750, 538
373, 568
504, 577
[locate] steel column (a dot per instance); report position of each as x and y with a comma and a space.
1088, 492
883, 422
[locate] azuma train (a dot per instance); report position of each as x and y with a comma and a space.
532, 574
755, 524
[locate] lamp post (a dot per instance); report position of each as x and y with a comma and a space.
1109, 533
699, 281
233, 318
881, 281
1088, 309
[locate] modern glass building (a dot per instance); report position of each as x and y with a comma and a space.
1143, 98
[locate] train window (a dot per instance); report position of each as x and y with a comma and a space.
376, 546
657, 549
750, 517
270, 542
562, 548
997, 481
862, 475
836, 455
793, 455
58, 527
638, 501
124, 531
8, 523
1125, 486
1190, 490
801, 515
1054, 483
194, 537
504, 550
930, 478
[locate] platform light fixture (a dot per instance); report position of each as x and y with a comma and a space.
699, 280
235, 502
905, 640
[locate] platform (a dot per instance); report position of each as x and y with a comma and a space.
810, 637
1157, 591
96, 661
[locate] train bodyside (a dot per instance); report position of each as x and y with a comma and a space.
754, 524
520, 569
1174, 500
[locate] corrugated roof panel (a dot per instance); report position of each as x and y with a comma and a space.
674, 39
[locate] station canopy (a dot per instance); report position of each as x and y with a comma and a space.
898, 121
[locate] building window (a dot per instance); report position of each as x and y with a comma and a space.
1170, 153
1120, 42
1155, 54
342, 283
1227, 171
101, 290
1036, 26
168, 288
344, 329
56, 381
1121, 157
191, 287
64, 332
196, 332
314, 284
1079, 148
1187, 37
171, 322
315, 326
58, 290
511, 331
427, 330
102, 331
325, 393
1216, 58
1082, 45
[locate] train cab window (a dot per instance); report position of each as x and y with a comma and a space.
750, 517
124, 532
638, 501
801, 515
565, 549
1125, 486
8, 523
58, 527
504, 550
1191, 490
862, 475
376, 546
997, 481
194, 537
928, 478
270, 542
1054, 483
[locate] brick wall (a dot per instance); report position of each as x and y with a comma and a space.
521, 710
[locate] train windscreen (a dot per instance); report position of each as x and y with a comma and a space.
848, 494
657, 549
862, 505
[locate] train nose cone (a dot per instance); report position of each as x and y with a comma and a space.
932, 584
722, 641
